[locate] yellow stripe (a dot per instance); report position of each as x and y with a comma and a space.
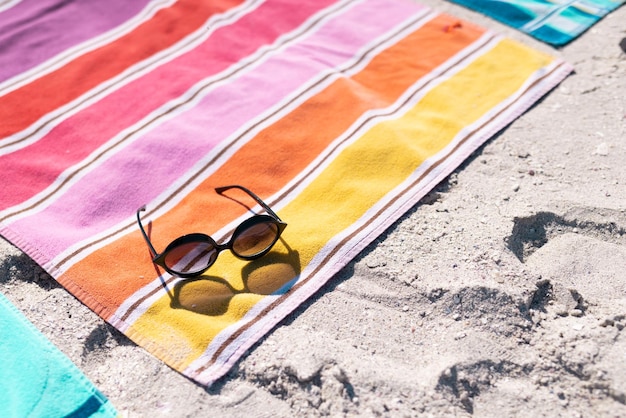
359, 177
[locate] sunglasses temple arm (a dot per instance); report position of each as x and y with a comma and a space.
252, 195
143, 231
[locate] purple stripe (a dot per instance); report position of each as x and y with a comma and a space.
138, 173
34, 31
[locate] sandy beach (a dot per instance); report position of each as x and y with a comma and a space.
502, 293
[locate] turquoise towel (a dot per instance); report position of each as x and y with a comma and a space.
36, 379
556, 22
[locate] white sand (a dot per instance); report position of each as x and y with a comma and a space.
502, 294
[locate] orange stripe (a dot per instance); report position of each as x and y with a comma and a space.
22, 107
272, 158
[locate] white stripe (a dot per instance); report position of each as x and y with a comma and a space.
591, 8
8, 4
221, 338
540, 20
141, 293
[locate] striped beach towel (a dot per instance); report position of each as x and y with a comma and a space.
340, 115
556, 22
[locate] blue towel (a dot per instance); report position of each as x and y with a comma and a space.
555, 22
36, 379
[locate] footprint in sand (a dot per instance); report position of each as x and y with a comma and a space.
578, 309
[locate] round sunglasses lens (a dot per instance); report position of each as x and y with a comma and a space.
191, 257
255, 239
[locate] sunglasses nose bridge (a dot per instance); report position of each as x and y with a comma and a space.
225, 246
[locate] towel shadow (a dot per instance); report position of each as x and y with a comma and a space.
274, 273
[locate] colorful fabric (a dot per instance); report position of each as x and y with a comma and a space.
36, 379
341, 115
556, 22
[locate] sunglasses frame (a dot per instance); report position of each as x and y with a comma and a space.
159, 258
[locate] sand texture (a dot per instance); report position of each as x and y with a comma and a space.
503, 293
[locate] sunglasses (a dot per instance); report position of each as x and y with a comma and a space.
192, 254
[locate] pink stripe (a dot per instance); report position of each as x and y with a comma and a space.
137, 174
81, 134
